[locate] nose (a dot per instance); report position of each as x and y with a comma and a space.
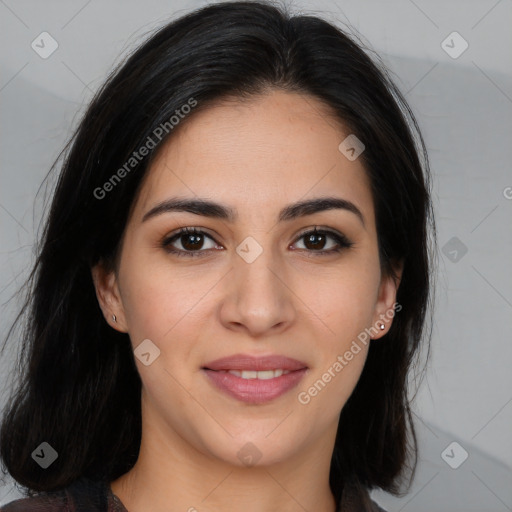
258, 299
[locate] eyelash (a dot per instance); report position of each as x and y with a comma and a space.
342, 241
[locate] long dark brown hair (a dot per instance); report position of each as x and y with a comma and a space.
78, 387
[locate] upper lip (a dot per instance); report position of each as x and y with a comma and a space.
258, 363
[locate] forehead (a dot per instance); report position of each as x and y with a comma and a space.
274, 148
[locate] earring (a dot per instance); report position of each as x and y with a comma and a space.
114, 318
382, 327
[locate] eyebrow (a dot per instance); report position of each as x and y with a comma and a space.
207, 208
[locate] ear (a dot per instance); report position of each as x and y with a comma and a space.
385, 307
109, 298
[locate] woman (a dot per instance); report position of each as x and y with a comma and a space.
233, 280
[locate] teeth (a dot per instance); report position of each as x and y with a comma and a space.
262, 375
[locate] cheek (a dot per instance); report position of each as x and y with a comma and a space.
330, 385
344, 300
150, 299
164, 303
147, 308
344, 303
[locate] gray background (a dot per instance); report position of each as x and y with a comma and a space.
464, 106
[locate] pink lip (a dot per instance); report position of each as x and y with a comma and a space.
254, 391
247, 362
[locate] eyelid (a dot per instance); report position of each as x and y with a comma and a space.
319, 229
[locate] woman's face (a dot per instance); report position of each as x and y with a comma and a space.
249, 284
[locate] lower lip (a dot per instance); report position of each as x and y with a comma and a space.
254, 391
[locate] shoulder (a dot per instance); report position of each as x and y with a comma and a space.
81, 495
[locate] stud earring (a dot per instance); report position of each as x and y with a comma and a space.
382, 327
114, 318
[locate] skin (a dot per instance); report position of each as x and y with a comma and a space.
257, 156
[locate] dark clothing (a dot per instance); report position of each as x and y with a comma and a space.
86, 495
83, 495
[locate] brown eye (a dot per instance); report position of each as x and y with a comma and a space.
191, 241
315, 241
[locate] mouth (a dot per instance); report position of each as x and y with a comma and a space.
254, 374
255, 380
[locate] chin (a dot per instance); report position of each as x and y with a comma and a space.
256, 450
